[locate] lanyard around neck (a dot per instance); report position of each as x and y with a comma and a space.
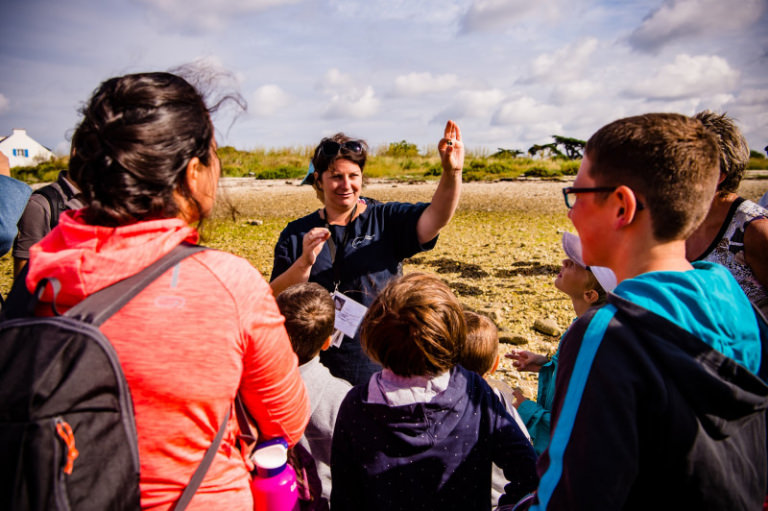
338, 250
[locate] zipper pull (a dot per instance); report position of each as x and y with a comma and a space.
65, 432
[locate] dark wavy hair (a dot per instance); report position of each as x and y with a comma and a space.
321, 162
131, 149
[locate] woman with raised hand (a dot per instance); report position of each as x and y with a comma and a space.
353, 245
145, 158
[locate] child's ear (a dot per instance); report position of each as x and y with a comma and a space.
591, 296
326, 344
495, 365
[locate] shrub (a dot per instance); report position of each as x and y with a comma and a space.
284, 172
538, 171
402, 149
44, 172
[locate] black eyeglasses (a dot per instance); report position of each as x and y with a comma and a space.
330, 148
570, 193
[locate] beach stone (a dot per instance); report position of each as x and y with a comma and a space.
515, 340
546, 326
495, 315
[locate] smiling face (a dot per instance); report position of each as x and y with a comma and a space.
341, 185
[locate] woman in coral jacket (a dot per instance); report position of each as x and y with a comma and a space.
145, 157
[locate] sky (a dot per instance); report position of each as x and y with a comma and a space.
511, 73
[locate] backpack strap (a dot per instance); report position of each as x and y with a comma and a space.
55, 202
100, 306
199, 475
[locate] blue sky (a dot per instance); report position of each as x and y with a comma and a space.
510, 72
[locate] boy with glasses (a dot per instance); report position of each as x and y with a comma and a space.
656, 393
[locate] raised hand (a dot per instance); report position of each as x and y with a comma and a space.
451, 148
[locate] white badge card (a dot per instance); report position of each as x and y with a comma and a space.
349, 315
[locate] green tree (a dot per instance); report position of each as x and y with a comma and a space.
507, 153
573, 147
546, 150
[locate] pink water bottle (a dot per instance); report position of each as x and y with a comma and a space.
274, 483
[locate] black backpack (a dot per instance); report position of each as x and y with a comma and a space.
57, 203
67, 430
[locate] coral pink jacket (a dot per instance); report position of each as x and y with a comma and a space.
187, 343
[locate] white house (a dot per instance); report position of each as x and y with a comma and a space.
23, 150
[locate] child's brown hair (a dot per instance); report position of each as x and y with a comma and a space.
481, 348
415, 327
594, 285
309, 317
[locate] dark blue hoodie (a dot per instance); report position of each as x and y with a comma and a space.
658, 406
428, 456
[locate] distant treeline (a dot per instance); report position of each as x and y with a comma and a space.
398, 160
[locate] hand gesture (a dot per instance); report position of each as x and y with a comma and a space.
451, 148
312, 243
526, 360
519, 397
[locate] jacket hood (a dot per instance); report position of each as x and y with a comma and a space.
706, 301
86, 258
414, 427
723, 393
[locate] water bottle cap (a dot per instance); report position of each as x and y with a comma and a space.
270, 457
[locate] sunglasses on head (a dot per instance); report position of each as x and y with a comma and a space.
330, 148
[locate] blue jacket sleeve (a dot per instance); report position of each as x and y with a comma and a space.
592, 458
14, 198
538, 415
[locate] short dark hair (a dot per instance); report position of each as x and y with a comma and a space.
321, 162
309, 316
594, 284
734, 150
131, 149
415, 326
671, 160
482, 345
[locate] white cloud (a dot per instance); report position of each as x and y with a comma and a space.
333, 80
268, 99
566, 64
348, 97
688, 76
356, 103
678, 19
4, 103
415, 84
484, 14
432, 11
573, 92
753, 97
523, 110
471, 104
206, 14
